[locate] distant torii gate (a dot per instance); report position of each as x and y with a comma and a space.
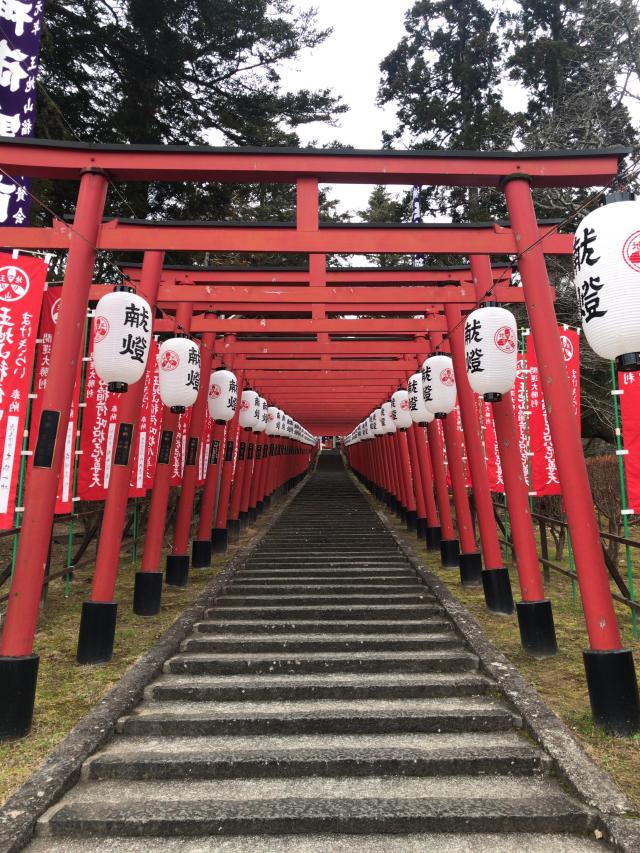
275, 365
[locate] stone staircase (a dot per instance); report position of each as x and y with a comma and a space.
325, 703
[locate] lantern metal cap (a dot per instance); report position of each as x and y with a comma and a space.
440, 415
492, 397
628, 361
117, 387
177, 410
619, 195
124, 288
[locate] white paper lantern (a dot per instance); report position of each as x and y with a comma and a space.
607, 281
178, 373
272, 420
262, 425
377, 422
417, 409
249, 409
491, 351
438, 385
388, 423
400, 408
122, 329
222, 398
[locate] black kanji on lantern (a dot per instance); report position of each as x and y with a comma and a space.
426, 393
412, 386
136, 316
474, 361
193, 379
583, 250
233, 386
135, 346
590, 299
194, 357
413, 404
426, 373
231, 403
472, 332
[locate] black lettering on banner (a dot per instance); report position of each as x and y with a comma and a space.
214, 453
192, 451
228, 453
258, 452
250, 451
164, 451
47, 434
241, 451
123, 444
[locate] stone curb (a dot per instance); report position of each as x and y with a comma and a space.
61, 769
574, 767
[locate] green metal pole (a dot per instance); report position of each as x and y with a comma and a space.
623, 495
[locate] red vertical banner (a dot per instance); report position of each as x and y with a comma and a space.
179, 452
490, 439
520, 395
48, 320
205, 448
629, 387
140, 458
154, 427
21, 292
544, 472
97, 435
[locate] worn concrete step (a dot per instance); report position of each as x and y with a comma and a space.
382, 571
316, 662
326, 626
276, 598
328, 587
256, 580
335, 843
319, 642
174, 763
470, 714
332, 685
297, 806
328, 611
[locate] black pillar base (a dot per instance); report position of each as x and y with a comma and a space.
147, 593
233, 528
266, 502
411, 519
449, 552
177, 570
201, 553
613, 690
434, 536
97, 631
402, 512
497, 590
18, 679
219, 540
537, 631
470, 569
253, 515
259, 507
421, 528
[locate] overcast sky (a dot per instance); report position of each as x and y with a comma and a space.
364, 31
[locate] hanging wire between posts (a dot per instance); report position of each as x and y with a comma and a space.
623, 494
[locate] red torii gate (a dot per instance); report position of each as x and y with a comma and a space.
610, 672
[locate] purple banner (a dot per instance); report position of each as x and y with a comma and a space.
20, 25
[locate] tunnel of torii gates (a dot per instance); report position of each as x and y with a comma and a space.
327, 346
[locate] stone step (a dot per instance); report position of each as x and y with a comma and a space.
319, 642
325, 662
328, 611
332, 685
256, 580
477, 714
335, 843
382, 571
273, 598
317, 805
328, 587
326, 626
173, 762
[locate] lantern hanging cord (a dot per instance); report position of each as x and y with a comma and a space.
629, 175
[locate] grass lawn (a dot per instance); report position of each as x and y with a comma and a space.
560, 680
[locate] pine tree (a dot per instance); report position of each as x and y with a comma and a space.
174, 71
444, 80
